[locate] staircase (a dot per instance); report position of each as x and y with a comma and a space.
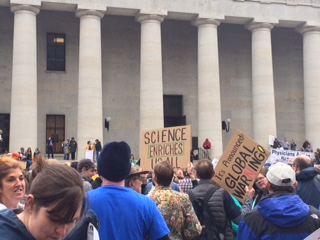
202, 154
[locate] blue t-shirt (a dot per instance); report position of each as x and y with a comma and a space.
125, 214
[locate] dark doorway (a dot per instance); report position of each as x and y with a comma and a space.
172, 107
55, 126
5, 127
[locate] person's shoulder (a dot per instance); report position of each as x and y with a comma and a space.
314, 212
5, 212
13, 227
181, 195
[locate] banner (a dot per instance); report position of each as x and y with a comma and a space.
278, 155
240, 165
166, 144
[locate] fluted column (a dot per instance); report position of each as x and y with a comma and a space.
311, 70
90, 119
151, 86
209, 102
263, 99
24, 114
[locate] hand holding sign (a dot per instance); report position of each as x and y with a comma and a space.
240, 165
249, 192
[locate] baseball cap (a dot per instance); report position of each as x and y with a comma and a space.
281, 174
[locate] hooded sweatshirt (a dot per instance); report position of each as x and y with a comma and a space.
280, 216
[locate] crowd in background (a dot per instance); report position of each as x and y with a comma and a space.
130, 203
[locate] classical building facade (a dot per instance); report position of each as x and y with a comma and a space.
67, 65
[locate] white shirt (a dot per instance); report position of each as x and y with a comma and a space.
2, 206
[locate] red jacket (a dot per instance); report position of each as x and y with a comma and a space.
206, 145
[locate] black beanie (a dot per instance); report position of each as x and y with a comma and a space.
114, 161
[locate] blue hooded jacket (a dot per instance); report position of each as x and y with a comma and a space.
279, 216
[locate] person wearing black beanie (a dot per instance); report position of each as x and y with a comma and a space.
114, 203
114, 161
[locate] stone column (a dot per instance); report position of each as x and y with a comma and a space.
263, 99
151, 86
24, 114
311, 70
209, 102
90, 118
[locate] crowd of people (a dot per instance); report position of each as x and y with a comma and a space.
59, 201
285, 145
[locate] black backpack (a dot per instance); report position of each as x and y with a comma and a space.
203, 212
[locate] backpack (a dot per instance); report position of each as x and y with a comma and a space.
203, 212
73, 145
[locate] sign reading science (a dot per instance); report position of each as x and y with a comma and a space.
240, 165
166, 144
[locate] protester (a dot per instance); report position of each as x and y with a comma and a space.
174, 206
123, 213
86, 169
223, 209
260, 186
276, 143
151, 184
308, 184
66, 149
186, 180
207, 147
73, 148
98, 148
134, 162
305, 145
50, 146
36, 153
55, 203
89, 149
134, 179
28, 158
293, 145
12, 183
285, 144
282, 214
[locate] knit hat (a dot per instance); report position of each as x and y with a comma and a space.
281, 174
114, 161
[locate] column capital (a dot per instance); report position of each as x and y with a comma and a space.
89, 12
305, 29
200, 21
19, 7
144, 17
256, 25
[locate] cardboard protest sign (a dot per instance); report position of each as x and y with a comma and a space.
166, 144
89, 155
22, 164
240, 165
